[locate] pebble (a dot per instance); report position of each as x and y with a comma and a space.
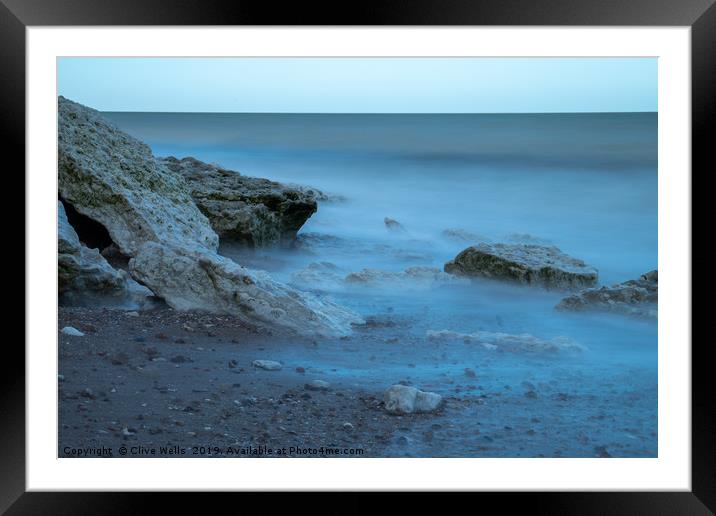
74, 332
317, 385
268, 365
133, 313
348, 427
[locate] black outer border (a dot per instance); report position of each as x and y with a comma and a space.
15, 15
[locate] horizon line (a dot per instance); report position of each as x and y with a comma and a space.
381, 112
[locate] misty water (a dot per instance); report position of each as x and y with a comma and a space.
586, 183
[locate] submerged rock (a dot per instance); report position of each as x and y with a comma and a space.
318, 276
149, 213
521, 343
393, 225
527, 264
315, 243
411, 278
403, 399
637, 297
251, 210
526, 238
461, 235
319, 195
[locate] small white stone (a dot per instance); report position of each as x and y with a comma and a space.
268, 365
318, 385
403, 399
133, 313
74, 332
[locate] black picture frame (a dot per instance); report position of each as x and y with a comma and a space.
700, 15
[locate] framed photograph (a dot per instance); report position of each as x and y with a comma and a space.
415, 249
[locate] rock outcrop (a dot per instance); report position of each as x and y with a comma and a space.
522, 343
148, 211
114, 179
250, 210
403, 399
527, 264
637, 297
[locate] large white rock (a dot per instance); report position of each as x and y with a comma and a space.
404, 399
114, 179
198, 279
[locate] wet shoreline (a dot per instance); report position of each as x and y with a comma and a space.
185, 381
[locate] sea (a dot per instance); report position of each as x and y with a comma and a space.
585, 183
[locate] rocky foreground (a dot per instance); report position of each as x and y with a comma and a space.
192, 384
146, 211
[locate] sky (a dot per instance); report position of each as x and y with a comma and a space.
361, 85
